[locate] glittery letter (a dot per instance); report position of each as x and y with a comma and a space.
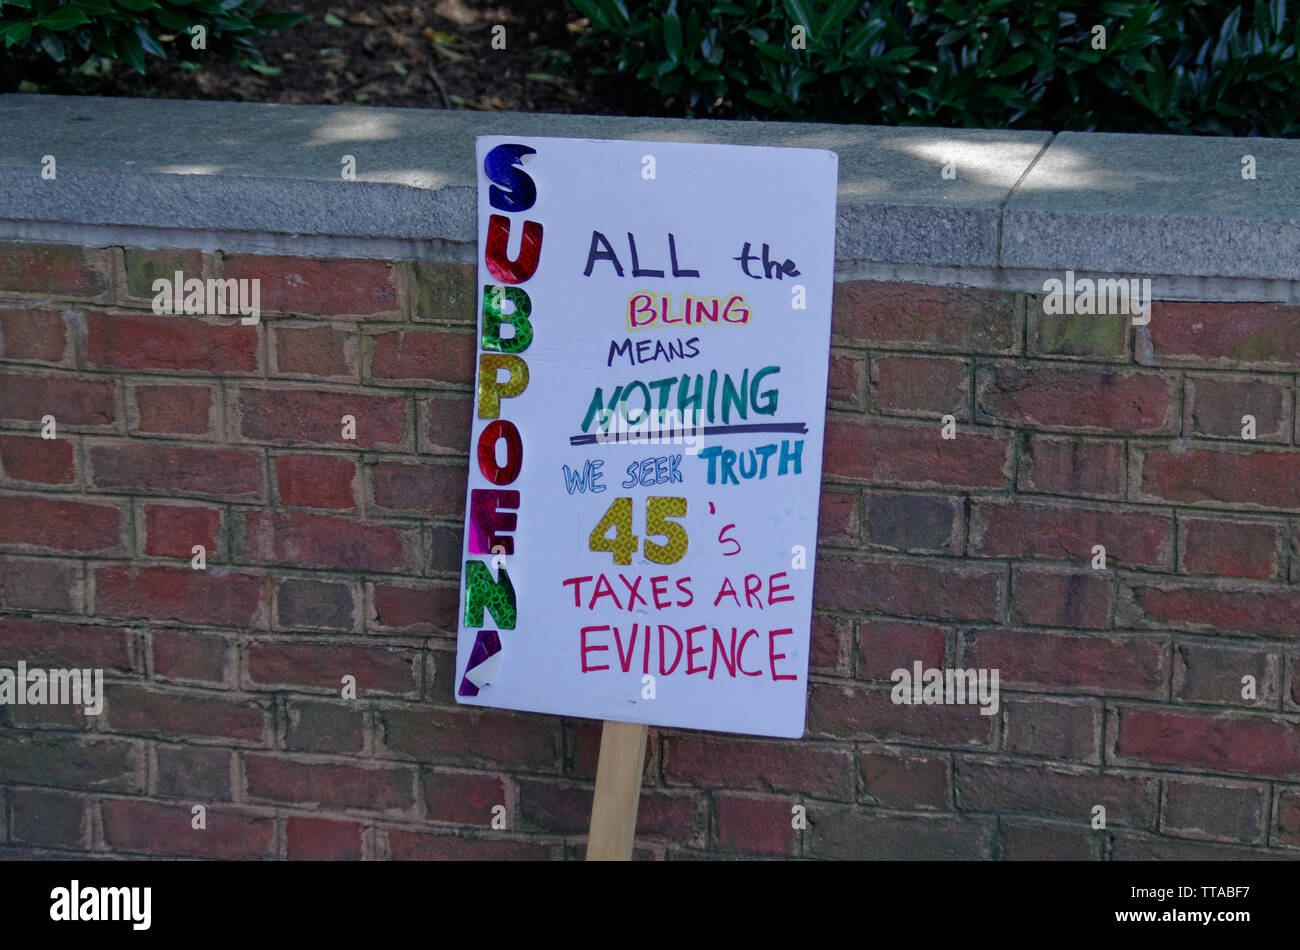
493, 316
514, 189
490, 390
481, 591
487, 452
486, 518
530, 248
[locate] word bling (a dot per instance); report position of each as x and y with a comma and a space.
645, 310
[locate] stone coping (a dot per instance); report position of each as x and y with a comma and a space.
267, 178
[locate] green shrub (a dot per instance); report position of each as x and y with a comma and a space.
38, 34
1176, 66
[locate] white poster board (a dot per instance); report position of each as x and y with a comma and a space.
692, 281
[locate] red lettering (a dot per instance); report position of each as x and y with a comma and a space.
626, 661
633, 596
773, 588
487, 452
586, 649
607, 592
692, 650
494, 254
730, 664
655, 592
740, 654
577, 588
726, 589
750, 591
773, 656
690, 598
677, 659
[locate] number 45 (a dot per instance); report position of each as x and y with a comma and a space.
624, 543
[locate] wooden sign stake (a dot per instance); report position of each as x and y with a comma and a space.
618, 791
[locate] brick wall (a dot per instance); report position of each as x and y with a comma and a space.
329, 557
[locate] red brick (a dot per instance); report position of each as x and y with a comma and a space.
1209, 743
105, 765
419, 610
306, 603
906, 316
443, 356
432, 490
1288, 817
320, 839
174, 410
174, 530
1054, 729
1098, 336
143, 267
1215, 811
1216, 405
1054, 598
227, 599
872, 715
71, 400
323, 351
415, 846
904, 781
372, 787
447, 423
471, 737
316, 481
1041, 841
887, 645
55, 644
910, 588
1069, 533
846, 381
837, 520
310, 540
33, 335
755, 825
922, 523
1205, 673
565, 808
920, 386
999, 786
308, 415
146, 341
186, 655
153, 828
63, 269
1052, 396
59, 525
389, 670
1250, 334
1256, 477
916, 455
234, 474
324, 286
1071, 466
1230, 548
444, 292
1264, 611
41, 584
466, 798
847, 834
34, 459
800, 769
1071, 663
151, 711
49, 819
325, 727
829, 642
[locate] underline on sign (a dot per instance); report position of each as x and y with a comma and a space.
800, 428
